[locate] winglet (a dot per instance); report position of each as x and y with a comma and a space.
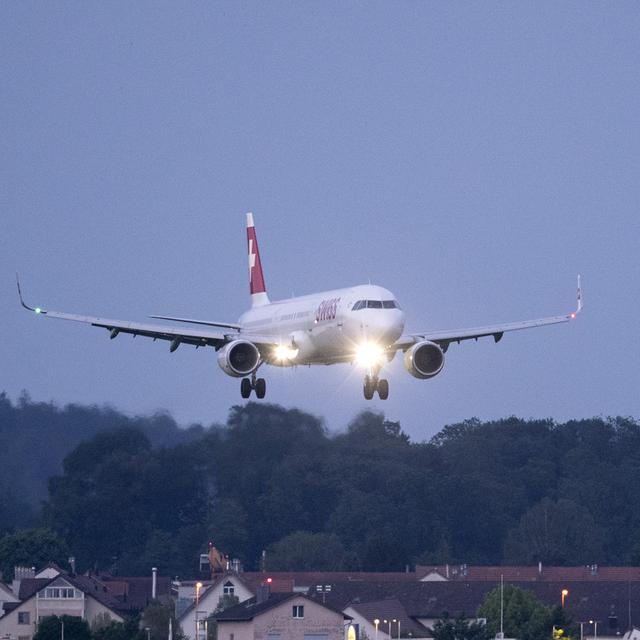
23, 303
573, 314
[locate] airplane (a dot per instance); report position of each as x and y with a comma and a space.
363, 324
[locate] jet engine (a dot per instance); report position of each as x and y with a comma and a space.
239, 358
424, 360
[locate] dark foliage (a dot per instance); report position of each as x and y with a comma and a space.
367, 498
50, 628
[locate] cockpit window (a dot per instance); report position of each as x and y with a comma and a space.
375, 304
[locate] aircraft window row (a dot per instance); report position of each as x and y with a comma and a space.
375, 304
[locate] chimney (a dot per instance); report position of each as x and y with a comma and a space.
264, 591
154, 582
540, 568
72, 564
447, 571
20, 574
236, 566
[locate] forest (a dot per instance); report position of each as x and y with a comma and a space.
123, 494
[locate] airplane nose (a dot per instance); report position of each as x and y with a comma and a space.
385, 327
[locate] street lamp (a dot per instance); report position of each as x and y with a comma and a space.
198, 587
148, 630
376, 622
564, 593
582, 631
595, 628
398, 629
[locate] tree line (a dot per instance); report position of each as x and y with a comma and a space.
141, 492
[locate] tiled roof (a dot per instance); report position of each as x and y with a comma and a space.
469, 573
596, 600
391, 609
309, 579
134, 593
251, 608
89, 585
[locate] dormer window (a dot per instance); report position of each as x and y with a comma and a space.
228, 588
298, 611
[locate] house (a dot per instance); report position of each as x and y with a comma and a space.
230, 586
385, 620
282, 616
54, 592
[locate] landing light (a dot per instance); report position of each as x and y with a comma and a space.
38, 310
369, 354
282, 352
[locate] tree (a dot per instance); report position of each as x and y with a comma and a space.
31, 547
560, 533
156, 618
304, 551
50, 628
459, 629
127, 630
525, 617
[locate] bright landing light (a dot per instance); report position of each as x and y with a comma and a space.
283, 353
369, 354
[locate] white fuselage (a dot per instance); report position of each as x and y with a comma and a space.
327, 327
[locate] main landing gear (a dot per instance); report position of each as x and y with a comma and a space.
257, 384
372, 384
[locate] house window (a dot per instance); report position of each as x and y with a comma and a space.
298, 611
228, 589
24, 617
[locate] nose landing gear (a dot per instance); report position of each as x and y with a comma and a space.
372, 384
257, 384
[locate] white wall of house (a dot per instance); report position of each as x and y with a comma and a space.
21, 623
208, 603
279, 623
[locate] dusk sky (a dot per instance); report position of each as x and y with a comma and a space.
472, 157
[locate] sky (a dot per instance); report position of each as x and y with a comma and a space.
472, 157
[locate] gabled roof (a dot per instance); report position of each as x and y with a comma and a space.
29, 587
251, 608
391, 609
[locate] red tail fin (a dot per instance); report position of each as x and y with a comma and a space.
256, 277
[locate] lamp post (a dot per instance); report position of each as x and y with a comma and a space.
582, 631
198, 587
376, 622
398, 629
595, 628
148, 630
564, 593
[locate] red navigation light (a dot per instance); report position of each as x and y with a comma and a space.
269, 580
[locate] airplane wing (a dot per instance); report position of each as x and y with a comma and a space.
446, 337
177, 336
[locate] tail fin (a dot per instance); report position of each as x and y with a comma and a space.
256, 277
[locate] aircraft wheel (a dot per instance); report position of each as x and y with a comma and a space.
369, 388
245, 387
261, 388
383, 389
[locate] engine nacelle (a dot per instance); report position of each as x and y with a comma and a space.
239, 358
424, 360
